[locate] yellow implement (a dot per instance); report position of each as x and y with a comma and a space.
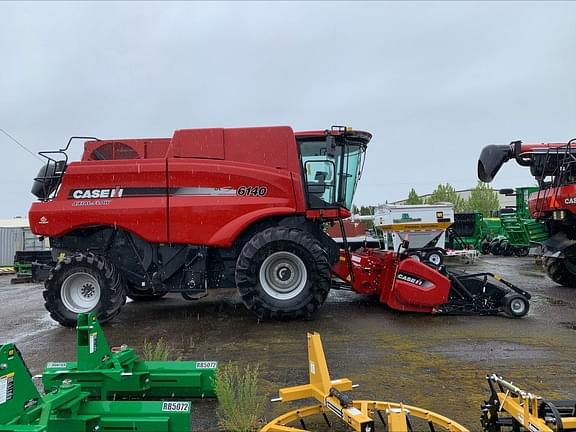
357, 414
510, 408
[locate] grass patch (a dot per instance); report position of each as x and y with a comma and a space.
240, 405
159, 351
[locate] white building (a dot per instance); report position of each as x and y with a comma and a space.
15, 235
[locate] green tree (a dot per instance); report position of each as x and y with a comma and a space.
447, 193
483, 199
367, 210
413, 198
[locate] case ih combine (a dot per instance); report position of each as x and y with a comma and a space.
226, 207
554, 167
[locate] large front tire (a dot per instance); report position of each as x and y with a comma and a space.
83, 283
557, 270
283, 273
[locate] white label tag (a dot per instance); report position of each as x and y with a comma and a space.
55, 365
92, 345
176, 406
312, 368
206, 365
6, 388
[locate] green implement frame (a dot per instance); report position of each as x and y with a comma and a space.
66, 408
520, 229
119, 373
514, 232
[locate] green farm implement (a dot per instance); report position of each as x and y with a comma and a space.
105, 390
513, 233
66, 408
119, 373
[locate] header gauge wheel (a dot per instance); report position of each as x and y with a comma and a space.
515, 305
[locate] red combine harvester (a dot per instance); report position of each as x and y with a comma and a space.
222, 207
554, 167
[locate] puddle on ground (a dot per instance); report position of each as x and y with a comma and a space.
491, 350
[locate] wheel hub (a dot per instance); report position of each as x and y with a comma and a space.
80, 292
283, 275
517, 305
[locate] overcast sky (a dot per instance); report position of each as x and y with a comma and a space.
433, 82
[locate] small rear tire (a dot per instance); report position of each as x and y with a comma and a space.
415, 256
83, 283
506, 249
436, 258
515, 305
495, 247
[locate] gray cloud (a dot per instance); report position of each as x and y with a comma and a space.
433, 82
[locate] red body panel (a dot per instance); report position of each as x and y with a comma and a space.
558, 198
530, 148
409, 296
144, 215
203, 186
209, 210
402, 284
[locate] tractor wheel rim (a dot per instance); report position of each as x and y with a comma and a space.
283, 275
517, 306
80, 292
435, 259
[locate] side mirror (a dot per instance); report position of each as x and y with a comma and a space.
491, 160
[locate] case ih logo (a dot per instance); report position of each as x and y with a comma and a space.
410, 279
96, 193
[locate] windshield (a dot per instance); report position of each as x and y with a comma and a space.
332, 167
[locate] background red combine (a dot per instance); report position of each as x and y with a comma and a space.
554, 168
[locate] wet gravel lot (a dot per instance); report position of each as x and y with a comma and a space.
436, 362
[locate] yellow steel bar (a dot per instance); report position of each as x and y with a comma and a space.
317, 366
396, 420
521, 412
395, 414
319, 378
427, 415
352, 416
407, 227
279, 424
